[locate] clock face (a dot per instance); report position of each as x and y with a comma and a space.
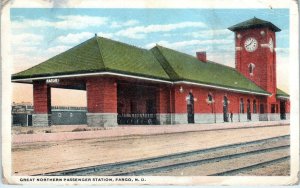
271, 45
250, 44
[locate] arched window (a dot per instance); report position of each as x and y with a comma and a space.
251, 67
242, 105
190, 107
209, 98
254, 107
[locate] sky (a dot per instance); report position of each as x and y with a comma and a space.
39, 34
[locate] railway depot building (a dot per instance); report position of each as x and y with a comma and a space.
125, 84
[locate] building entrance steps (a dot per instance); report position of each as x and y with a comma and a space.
63, 133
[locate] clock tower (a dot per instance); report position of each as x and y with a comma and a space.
255, 54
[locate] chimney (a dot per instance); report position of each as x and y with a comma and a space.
201, 56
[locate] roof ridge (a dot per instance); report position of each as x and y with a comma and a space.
165, 64
179, 52
131, 45
101, 56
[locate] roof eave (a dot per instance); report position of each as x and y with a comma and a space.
272, 27
282, 97
224, 88
30, 80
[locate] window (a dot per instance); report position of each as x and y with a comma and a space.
242, 105
71, 114
209, 98
273, 108
251, 67
59, 115
254, 107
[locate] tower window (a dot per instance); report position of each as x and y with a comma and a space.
251, 67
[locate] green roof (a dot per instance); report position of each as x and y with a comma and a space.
104, 55
254, 23
99, 55
184, 67
280, 93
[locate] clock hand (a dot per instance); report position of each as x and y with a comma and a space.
249, 44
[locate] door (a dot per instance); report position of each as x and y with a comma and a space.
190, 108
282, 110
261, 109
225, 109
248, 110
29, 121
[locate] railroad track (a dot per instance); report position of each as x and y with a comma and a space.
276, 147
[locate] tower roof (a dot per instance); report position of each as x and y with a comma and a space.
254, 23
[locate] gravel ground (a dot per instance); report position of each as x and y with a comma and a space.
43, 157
198, 156
278, 169
225, 165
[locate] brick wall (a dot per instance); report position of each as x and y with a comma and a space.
101, 95
163, 99
41, 97
202, 106
264, 60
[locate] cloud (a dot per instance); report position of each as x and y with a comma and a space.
27, 39
282, 50
57, 49
77, 38
79, 22
74, 38
139, 32
106, 35
62, 22
210, 33
185, 44
124, 24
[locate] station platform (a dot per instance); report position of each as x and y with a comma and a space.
70, 132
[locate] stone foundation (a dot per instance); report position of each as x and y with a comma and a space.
101, 119
41, 120
274, 117
179, 118
254, 117
205, 118
243, 117
263, 117
163, 119
287, 115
